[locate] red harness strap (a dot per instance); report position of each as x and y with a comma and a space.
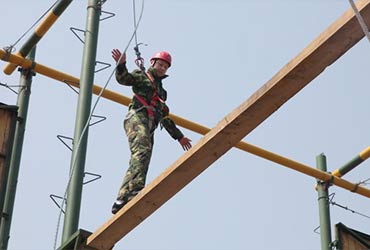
155, 98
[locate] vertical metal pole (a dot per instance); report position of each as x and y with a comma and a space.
22, 102
74, 194
324, 211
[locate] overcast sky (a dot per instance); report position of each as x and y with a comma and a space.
223, 51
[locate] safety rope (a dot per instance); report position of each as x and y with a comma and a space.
87, 124
135, 24
360, 20
139, 60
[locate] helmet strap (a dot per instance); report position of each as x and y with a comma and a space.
152, 63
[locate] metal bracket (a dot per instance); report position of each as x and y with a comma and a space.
62, 139
75, 33
316, 230
69, 85
107, 65
100, 119
53, 198
8, 50
108, 15
96, 177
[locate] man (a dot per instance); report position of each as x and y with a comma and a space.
146, 111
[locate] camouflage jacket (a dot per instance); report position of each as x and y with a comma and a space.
142, 86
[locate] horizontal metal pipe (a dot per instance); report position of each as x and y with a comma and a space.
116, 97
357, 160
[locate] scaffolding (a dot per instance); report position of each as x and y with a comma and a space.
331, 44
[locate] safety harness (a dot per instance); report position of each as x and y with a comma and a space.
155, 98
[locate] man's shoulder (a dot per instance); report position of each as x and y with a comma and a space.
138, 72
139, 75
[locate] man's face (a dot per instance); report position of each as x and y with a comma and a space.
161, 67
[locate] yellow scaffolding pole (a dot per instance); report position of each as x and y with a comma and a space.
357, 160
39, 32
116, 97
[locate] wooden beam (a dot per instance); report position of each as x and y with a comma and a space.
8, 122
322, 52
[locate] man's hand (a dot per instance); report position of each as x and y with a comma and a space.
185, 143
118, 57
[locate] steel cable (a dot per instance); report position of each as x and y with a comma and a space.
360, 19
31, 27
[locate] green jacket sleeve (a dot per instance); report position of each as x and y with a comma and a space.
171, 128
123, 76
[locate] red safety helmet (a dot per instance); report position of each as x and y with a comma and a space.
163, 55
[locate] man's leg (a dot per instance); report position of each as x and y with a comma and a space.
140, 144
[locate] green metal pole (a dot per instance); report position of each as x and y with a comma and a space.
323, 198
357, 160
22, 103
74, 194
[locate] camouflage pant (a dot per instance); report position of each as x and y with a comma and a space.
140, 142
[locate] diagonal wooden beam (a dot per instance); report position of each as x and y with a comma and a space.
322, 52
